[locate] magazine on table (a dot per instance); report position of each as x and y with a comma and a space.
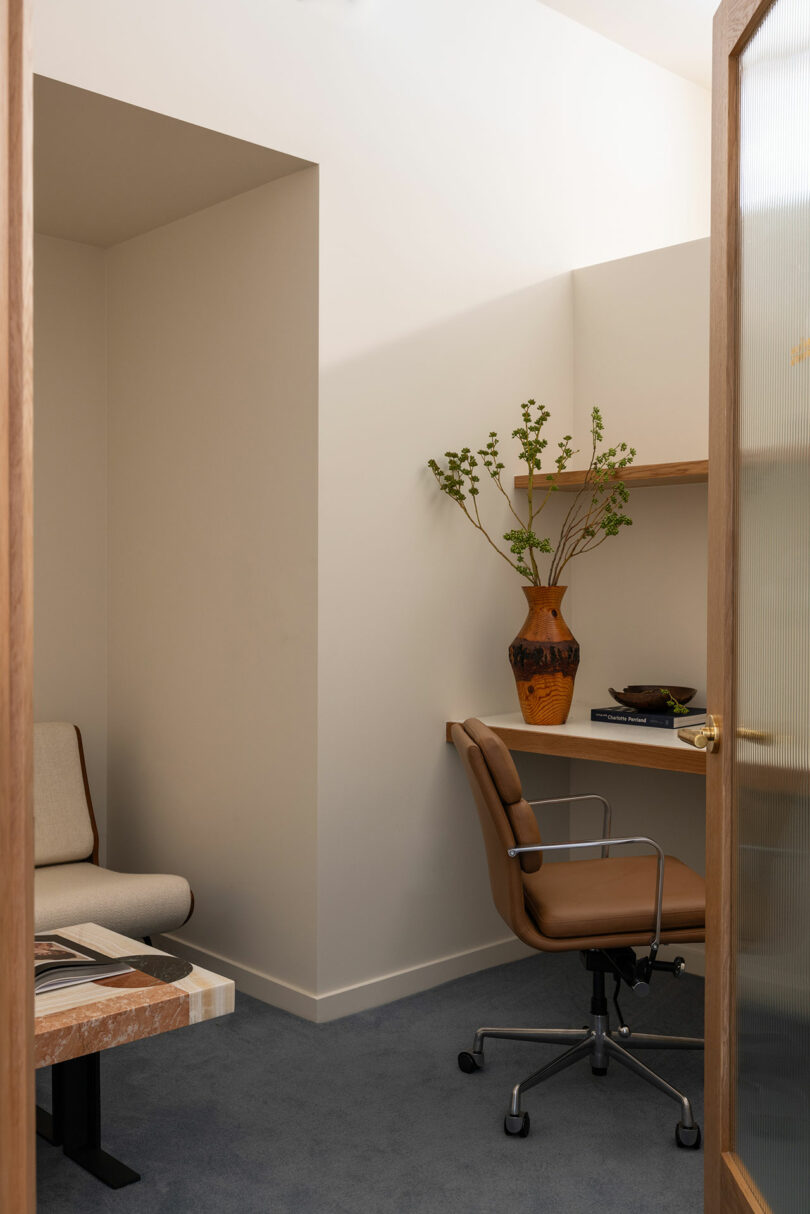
59, 962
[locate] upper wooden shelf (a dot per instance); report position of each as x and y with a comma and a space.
637, 476
582, 738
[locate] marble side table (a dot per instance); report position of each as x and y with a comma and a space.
74, 1025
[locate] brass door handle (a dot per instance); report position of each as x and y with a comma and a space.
704, 737
754, 735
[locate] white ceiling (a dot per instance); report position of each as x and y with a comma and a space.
105, 171
677, 34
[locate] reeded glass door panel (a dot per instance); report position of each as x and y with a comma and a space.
773, 612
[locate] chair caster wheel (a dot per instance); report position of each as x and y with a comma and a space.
689, 1139
517, 1127
469, 1063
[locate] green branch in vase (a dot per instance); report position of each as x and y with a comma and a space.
596, 514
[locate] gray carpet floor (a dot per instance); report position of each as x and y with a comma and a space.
262, 1113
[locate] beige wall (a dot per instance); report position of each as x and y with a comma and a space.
169, 463
70, 498
642, 351
213, 500
638, 604
641, 342
206, 657
466, 165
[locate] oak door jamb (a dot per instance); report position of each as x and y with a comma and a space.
17, 1143
734, 23
719, 1096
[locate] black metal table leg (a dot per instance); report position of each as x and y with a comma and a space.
46, 1128
75, 1123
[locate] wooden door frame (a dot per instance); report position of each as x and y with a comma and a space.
17, 1142
729, 1190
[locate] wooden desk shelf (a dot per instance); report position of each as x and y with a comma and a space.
581, 738
638, 476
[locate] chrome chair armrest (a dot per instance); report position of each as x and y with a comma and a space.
587, 796
659, 896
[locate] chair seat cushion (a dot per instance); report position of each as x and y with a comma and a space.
604, 897
129, 903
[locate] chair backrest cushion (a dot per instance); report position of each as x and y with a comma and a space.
63, 830
505, 877
501, 767
498, 759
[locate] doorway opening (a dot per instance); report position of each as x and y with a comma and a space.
176, 371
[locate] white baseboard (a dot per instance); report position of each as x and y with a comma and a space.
357, 998
285, 995
376, 991
347, 1000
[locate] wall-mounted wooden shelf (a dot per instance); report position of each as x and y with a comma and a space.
581, 738
638, 476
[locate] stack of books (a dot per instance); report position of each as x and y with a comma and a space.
616, 715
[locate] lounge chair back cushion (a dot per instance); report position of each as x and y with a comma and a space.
63, 830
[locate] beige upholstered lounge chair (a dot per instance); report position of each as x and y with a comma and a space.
69, 884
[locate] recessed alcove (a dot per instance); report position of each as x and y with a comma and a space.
176, 372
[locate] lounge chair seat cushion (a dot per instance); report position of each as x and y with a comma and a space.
131, 903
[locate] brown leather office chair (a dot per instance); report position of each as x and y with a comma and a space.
604, 908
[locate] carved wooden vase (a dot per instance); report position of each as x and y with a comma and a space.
544, 657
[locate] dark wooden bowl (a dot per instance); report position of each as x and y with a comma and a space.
648, 697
